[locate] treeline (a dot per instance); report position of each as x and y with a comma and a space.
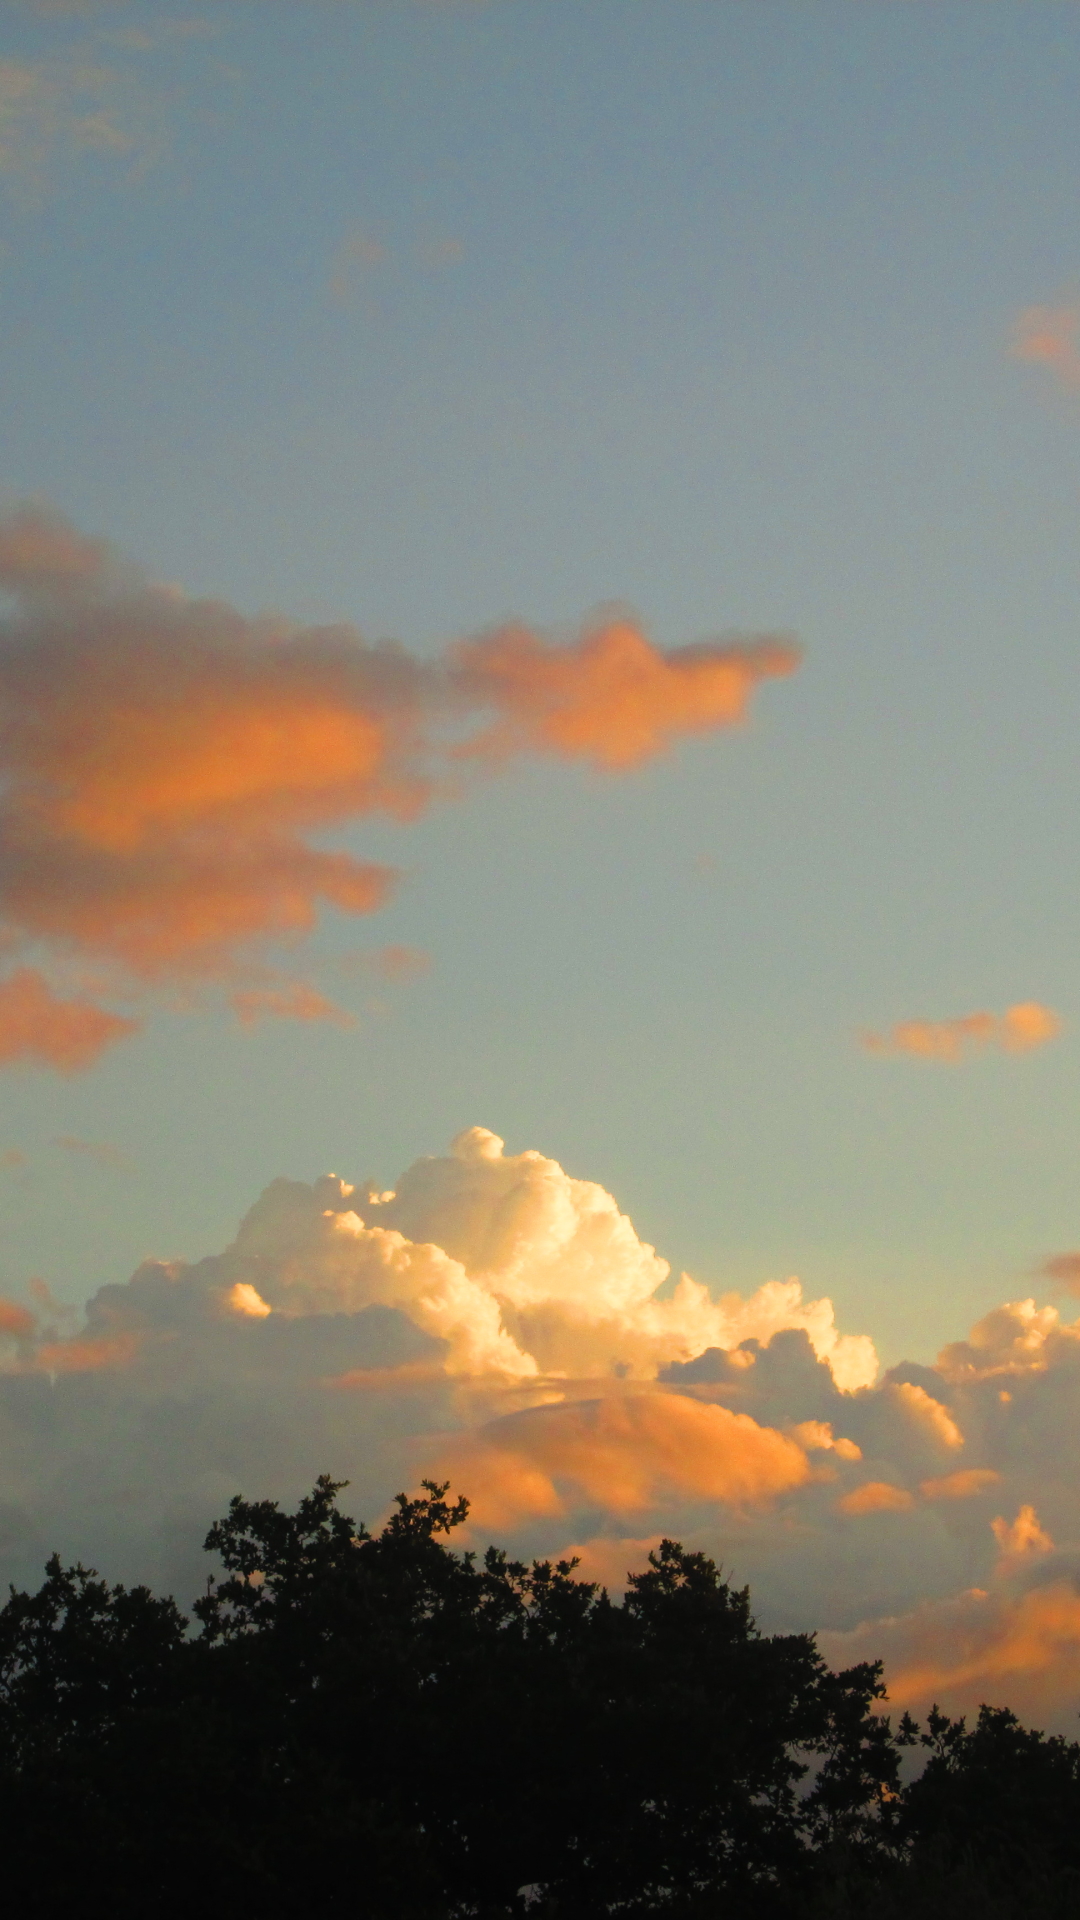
380, 1726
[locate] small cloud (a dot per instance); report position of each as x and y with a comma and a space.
296, 1000
1019, 1030
1064, 1268
965, 1485
101, 1152
244, 1299
876, 1496
1050, 337
395, 966
1022, 1536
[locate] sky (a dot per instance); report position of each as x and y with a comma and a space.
539, 594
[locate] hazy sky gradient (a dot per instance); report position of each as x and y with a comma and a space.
423, 315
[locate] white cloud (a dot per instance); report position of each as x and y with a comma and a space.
495, 1318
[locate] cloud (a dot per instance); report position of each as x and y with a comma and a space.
1018, 1030
295, 1000
624, 1452
15, 1320
1050, 337
1014, 1641
38, 1028
392, 966
67, 108
876, 1496
166, 762
1064, 1268
967, 1484
1021, 1536
491, 1313
101, 1152
610, 698
396, 964
496, 1318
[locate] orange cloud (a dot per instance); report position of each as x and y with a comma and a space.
87, 1356
621, 1452
165, 760
1018, 1030
37, 1026
611, 698
1048, 337
876, 1496
1022, 1651
15, 1321
964, 1485
1021, 1536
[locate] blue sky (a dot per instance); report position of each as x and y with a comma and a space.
423, 315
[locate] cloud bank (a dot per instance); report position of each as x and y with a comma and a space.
166, 763
496, 1320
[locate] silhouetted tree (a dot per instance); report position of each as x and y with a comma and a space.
379, 1725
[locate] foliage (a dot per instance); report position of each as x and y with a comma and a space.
381, 1725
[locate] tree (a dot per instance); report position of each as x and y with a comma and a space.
382, 1725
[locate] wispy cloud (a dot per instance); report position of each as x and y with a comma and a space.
68, 108
1018, 1030
166, 760
294, 1000
101, 1152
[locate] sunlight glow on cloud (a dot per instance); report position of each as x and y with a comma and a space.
166, 761
494, 1319
1018, 1030
39, 1028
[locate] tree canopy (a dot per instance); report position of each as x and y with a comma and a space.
384, 1726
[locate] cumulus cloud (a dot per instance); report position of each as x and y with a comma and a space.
166, 762
1014, 1641
1018, 1030
497, 1319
